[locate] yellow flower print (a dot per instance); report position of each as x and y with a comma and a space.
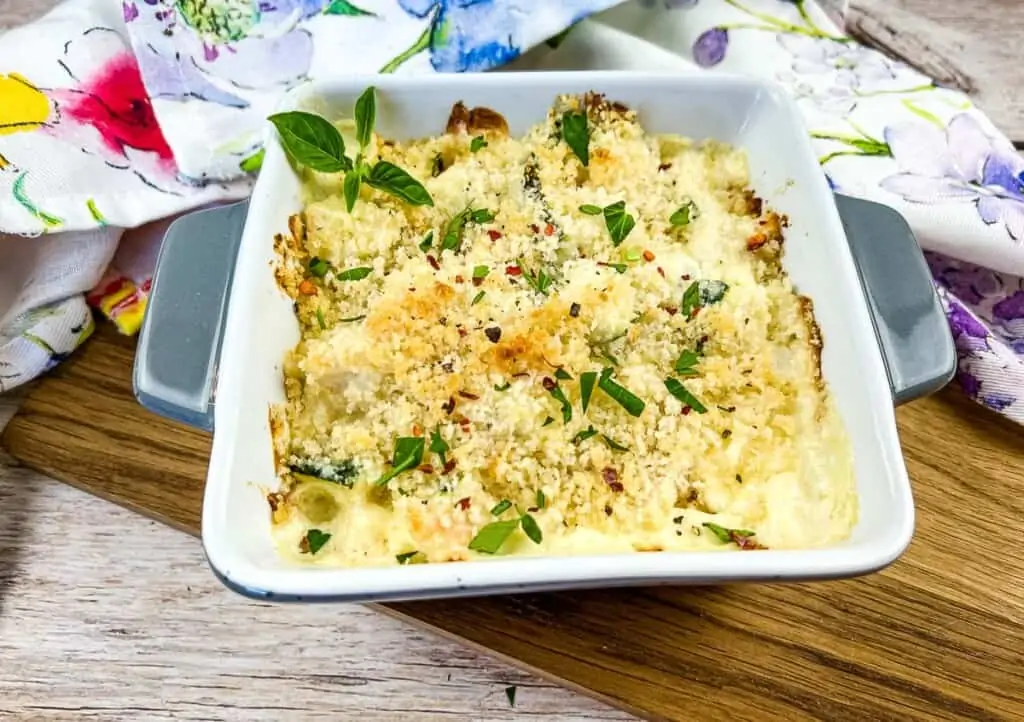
23, 106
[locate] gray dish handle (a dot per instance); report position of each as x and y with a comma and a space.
176, 363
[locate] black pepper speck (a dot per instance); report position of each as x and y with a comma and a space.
493, 333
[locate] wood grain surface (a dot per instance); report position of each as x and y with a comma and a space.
939, 635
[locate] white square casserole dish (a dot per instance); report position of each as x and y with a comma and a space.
218, 319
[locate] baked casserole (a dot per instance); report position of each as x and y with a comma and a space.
577, 341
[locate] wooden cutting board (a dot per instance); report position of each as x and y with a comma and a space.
939, 635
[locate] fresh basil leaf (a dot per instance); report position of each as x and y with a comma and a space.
320, 320
686, 213
587, 381
539, 282
584, 434
563, 375
712, 291
591, 210
427, 241
477, 143
438, 445
482, 215
501, 507
318, 267
685, 363
408, 455
576, 135
451, 240
353, 180
315, 540
344, 7
312, 141
726, 536
632, 403
618, 222
532, 529
676, 388
366, 116
691, 299
612, 444
389, 178
541, 500
478, 298
492, 536
559, 395
354, 274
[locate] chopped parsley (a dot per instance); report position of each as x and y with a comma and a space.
584, 434
439, 446
686, 213
480, 272
632, 403
691, 299
427, 241
504, 387
336, 472
531, 529
726, 536
318, 267
576, 135
320, 320
408, 455
481, 215
618, 222
540, 281
556, 391
541, 499
354, 274
501, 507
612, 444
686, 362
619, 267
587, 381
548, 421
563, 375
406, 558
314, 540
478, 298
676, 388
591, 210
492, 536
477, 143
451, 239
437, 166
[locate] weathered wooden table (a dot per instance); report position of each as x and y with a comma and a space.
154, 636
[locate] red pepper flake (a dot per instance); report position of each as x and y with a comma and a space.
686, 411
449, 407
306, 288
548, 383
685, 277
661, 271
746, 543
459, 279
756, 241
275, 501
462, 332
671, 310
703, 340
461, 420
664, 166
478, 281
425, 468
433, 262
611, 478
449, 466
520, 375
468, 395
549, 229
493, 234
695, 311
513, 271
417, 430
463, 503
648, 256
535, 228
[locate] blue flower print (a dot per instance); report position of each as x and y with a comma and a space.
471, 35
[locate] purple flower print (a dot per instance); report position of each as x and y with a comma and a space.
968, 282
997, 401
963, 164
970, 384
963, 323
849, 65
1010, 308
709, 49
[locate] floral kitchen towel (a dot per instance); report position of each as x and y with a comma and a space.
131, 112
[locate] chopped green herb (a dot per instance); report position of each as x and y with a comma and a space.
353, 319
482, 215
477, 143
480, 272
492, 536
391, 179
632, 403
587, 381
510, 692
427, 241
501, 507
354, 274
591, 210
584, 434
686, 213
618, 222
318, 267
563, 375
532, 529
504, 387
408, 455
438, 445
676, 388
620, 267
541, 500
540, 281
633, 255
548, 421
337, 472
576, 135
351, 185
685, 363
691, 299
712, 291
315, 539
406, 557
437, 166
451, 240
559, 395
366, 116
726, 536
312, 141
613, 445
320, 320
478, 298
